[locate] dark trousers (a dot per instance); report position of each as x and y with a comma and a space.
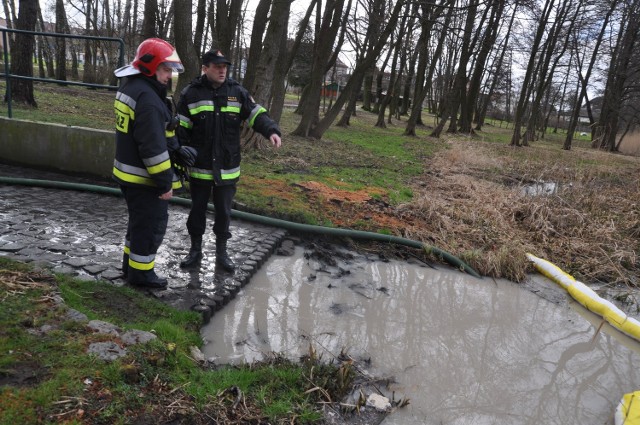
222, 201
148, 217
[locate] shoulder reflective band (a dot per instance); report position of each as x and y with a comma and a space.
256, 111
185, 121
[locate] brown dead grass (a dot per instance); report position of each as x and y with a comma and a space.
472, 203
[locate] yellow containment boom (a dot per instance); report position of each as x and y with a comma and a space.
628, 410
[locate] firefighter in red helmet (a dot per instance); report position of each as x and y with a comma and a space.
142, 165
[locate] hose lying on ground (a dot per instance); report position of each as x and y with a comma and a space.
274, 222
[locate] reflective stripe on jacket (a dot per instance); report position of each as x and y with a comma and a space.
142, 156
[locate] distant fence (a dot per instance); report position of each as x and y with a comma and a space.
7, 68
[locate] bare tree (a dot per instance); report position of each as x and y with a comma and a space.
183, 19
45, 53
430, 15
458, 91
621, 69
327, 29
396, 49
273, 58
9, 7
62, 26
488, 39
358, 73
198, 35
150, 19
553, 51
255, 49
22, 90
498, 73
227, 20
584, 80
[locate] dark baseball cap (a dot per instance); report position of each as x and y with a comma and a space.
214, 56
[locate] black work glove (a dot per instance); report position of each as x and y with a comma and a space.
187, 156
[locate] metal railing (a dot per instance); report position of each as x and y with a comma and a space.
7, 71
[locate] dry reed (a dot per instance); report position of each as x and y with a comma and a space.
473, 203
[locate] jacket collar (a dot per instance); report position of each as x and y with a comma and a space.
160, 89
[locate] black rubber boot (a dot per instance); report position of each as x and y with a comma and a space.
125, 265
222, 258
195, 253
147, 278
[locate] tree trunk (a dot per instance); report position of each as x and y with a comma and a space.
11, 17
473, 92
198, 35
228, 14
61, 44
273, 51
458, 92
190, 57
45, 48
497, 68
367, 86
392, 77
550, 55
88, 75
255, 49
421, 85
406, 91
22, 90
150, 19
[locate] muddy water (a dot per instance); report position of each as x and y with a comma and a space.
463, 350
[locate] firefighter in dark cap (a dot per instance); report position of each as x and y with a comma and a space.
211, 110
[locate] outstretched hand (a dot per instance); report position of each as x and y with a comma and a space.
276, 140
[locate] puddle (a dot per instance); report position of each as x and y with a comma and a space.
463, 350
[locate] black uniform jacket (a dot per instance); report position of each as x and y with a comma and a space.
142, 157
210, 121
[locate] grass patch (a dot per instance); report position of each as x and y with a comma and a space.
70, 105
46, 375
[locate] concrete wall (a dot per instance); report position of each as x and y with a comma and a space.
57, 147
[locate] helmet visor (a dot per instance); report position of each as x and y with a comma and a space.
173, 61
176, 66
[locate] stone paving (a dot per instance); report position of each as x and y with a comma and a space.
82, 234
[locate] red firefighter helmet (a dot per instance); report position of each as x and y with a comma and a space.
150, 54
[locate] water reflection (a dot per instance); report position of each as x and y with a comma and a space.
465, 351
